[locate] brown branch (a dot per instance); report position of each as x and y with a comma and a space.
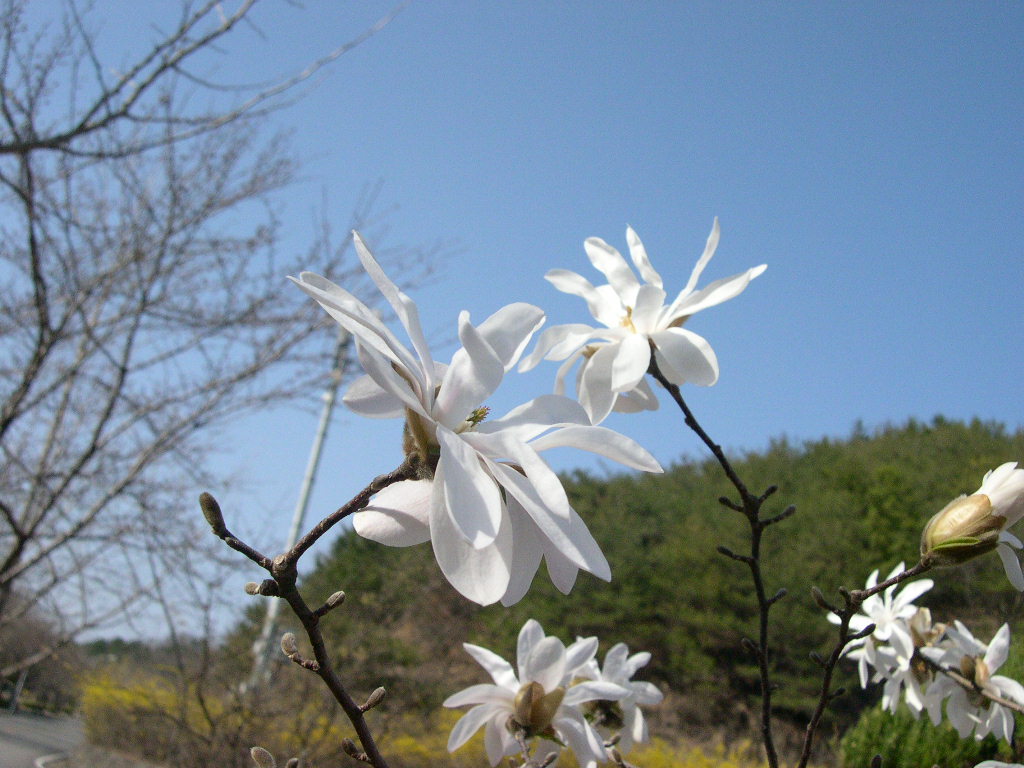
750, 508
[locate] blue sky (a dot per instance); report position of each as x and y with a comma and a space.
870, 154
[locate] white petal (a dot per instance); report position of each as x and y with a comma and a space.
548, 486
647, 310
366, 397
557, 343
499, 669
1011, 564
529, 636
469, 724
712, 294
635, 662
594, 690
646, 693
470, 493
404, 307
532, 418
595, 388
998, 649
398, 516
911, 592
640, 258
510, 329
498, 741
480, 574
632, 358
709, 250
526, 552
640, 398
598, 302
602, 441
545, 664
382, 371
683, 356
614, 662
570, 536
610, 262
482, 693
475, 372
579, 653
561, 570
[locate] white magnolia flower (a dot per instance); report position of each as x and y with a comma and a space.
619, 667
489, 504
888, 611
973, 525
636, 319
894, 664
967, 710
539, 701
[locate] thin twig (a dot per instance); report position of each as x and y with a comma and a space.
750, 508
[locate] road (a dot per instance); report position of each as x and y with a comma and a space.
23, 738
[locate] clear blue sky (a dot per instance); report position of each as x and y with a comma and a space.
871, 154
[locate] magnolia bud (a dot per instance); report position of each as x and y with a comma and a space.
212, 513
964, 529
262, 758
289, 645
535, 709
335, 600
374, 699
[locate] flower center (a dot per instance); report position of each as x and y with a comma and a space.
627, 321
535, 709
474, 418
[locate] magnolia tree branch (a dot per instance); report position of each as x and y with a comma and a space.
750, 507
283, 571
853, 600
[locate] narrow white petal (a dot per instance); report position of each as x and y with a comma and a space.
631, 361
398, 516
382, 371
602, 441
404, 307
610, 262
595, 387
545, 664
526, 421
482, 693
557, 343
640, 258
475, 372
498, 741
646, 693
470, 493
500, 670
469, 724
640, 398
479, 574
579, 653
647, 311
1011, 564
712, 294
571, 537
683, 357
561, 570
709, 250
366, 397
577, 285
531, 634
614, 662
510, 329
998, 649
526, 552
594, 690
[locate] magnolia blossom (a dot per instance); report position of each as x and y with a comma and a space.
538, 701
619, 667
967, 710
973, 525
489, 504
637, 322
889, 612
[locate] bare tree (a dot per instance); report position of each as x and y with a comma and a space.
142, 301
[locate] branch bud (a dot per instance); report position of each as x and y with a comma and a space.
252, 587
262, 758
289, 645
335, 600
374, 699
350, 749
212, 513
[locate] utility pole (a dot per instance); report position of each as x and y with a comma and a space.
264, 645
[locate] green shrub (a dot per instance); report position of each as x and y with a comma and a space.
904, 742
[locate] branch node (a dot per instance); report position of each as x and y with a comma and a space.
353, 751
824, 604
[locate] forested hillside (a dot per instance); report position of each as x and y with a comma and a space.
861, 503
